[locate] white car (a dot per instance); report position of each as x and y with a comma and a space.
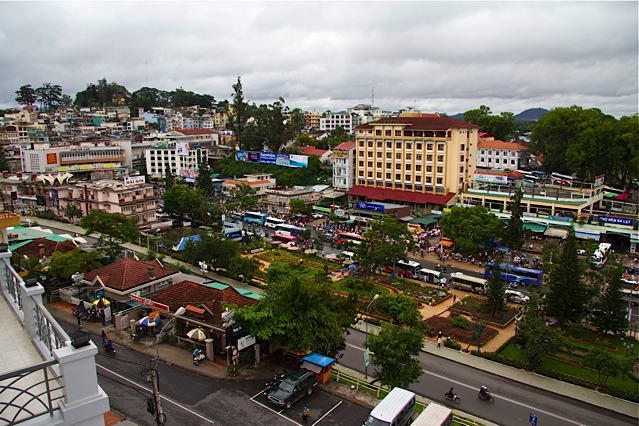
317, 215
516, 296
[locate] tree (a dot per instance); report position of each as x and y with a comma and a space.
568, 293
49, 95
4, 165
385, 242
609, 313
503, 126
114, 228
72, 211
238, 113
169, 179
606, 363
299, 206
101, 94
538, 340
63, 265
203, 180
243, 268
215, 251
400, 309
396, 350
495, 290
243, 196
26, 95
301, 315
182, 202
514, 231
471, 229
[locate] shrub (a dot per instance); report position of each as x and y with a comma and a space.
460, 322
452, 345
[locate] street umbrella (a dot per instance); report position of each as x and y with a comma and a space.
147, 322
102, 302
197, 334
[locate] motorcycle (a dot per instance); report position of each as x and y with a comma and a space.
452, 397
486, 396
277, 379
198, 357
109, 350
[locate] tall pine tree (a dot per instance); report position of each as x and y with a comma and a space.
203, 180
513, 235
495, 290
609, 314
568, 294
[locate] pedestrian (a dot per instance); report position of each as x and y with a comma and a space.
103, 317
78, 317
104, 338
439, 335
305, 414
439, 342
454, 298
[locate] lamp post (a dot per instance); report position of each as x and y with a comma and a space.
160, 418
366, 351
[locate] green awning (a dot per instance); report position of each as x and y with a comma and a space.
610, 195
425, 220
534, 227
217, 285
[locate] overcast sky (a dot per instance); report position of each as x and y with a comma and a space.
435, 56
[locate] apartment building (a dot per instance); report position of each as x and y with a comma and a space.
493, 153
343, 119
312, 119
278, 200
180, 151
343, 159
259, 182
424, 161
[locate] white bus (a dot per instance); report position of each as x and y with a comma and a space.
466, 282
397, 409
434, 415
562, 179
272, 222
430, 276
600, 256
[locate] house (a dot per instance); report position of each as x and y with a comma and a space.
323, 154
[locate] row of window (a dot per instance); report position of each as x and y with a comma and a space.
504, 153
406, 145
407, 157
496, 161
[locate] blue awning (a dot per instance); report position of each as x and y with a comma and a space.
587, 235
317, 359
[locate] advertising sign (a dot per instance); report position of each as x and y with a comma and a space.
268, 158
370, 206
182, 148
599, 180
298, 160
254, 157
241, 156
498, 178
615, 220
52, 158
283, 160
340, 154
134, 180
148, 302
245, 342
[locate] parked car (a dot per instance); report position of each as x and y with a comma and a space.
293, 387
515, 296
318, 215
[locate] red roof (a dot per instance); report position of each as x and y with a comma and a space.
422, 123
345, 146
497, 144
198, 295
195, 131
126, 274
311, 150
32, 249
392, 195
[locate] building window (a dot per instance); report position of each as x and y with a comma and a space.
418, 157
409, 156
418, 146
369, 164
378, 132
361, 164
407, 167
379, 144
429, 157
461, 157
389, 155
440, 158
370, 174
418, 178
496, 160
439, 181
379, 154
361, 144
429, 146
429, 169
440, 147
398, 132
398, 166
440, 169
388, 176
388, 165
461, 180
387, 133
370, 144
370, 154
418, 167
361, 154
461, 147
407, 177
461, 169
361, 174
398, 176
379, 175
398, 145
409, 146
398, 156
379, 165
429, 180
389, 145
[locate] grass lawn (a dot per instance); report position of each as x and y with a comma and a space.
364, 288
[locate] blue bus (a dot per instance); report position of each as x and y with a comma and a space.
291, 229
516, 274
254, 217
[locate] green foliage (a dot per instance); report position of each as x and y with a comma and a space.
72, 211
400, 309
503, 126
494, 300
243, 268
460, 322
609, 314
396, 352
243, 196
606, 364
568, 294
238, 113
513, 235
63, 265
115, 229
26, 95
472, 229
203, 180
216, 252
299, 206
385, 242
169, 179
539, 341
101, 94
183, 202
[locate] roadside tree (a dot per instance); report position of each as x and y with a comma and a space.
513, 234
63, 265
396, 352
72, 211
385, 242
243, 196
609, 313
606, 363
472, 229
538, 340
494, 297
203, 180
299, 206
115, 229
401, 310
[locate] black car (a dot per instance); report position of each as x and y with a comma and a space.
293, 387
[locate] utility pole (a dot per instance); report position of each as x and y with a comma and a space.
159, 415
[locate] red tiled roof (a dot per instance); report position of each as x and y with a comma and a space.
195, 131
497, 144
345, 146
484, 135
129, 273
391, 195
311, 150
33, 250
189, 293
422, 123
252, 183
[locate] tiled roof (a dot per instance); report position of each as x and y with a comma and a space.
392, 195
345, 146
195, 131
32, 249
422, 123
484, 135
497, 144
129, 273
252, 183
311, 150
190, 293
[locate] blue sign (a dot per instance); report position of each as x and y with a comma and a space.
615, 220
560, 218
533, 419
370, 206
268, 157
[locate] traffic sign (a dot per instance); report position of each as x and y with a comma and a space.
533, 419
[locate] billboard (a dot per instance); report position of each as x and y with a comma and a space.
285, 160
599, 180
52, 158
134, 180
484, 176
370, 206
182, 148
298, 160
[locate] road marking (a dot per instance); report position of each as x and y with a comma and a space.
505, 399
162, 397
279, 413
329, 412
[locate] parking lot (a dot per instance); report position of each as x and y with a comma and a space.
324, 407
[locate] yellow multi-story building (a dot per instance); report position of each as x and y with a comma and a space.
421, 160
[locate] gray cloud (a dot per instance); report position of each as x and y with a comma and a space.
437, 56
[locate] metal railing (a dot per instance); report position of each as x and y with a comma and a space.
50, 333
29, 393
13, 281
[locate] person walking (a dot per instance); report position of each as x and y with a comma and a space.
439, 342
104, 338
306, 414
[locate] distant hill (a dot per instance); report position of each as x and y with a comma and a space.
532, 114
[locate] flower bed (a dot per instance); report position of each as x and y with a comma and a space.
473, 305
424, 293
468, 335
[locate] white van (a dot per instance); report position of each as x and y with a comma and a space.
431, 276
434, 415
397, 409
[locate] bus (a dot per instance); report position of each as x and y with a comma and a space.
254, 217
462, 281
285, 238
233, 234
396, 409
600, 256
434, 415
349, 237
272, 222
405, 268
291, 229
562, 179
530, 177
516, 274
430, 276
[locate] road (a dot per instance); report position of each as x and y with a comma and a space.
514, 402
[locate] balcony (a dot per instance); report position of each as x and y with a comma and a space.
44, 380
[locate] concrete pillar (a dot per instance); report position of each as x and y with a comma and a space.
258, 358
84, 402
210, 349
30, 296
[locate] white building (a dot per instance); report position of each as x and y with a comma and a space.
343, 119
502, 155
343, 159
180, 150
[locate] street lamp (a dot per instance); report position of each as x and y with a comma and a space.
160, 418
366, 351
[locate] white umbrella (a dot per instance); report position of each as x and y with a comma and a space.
197, 334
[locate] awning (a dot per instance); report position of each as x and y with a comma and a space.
425, 220
317, 359
556, 232
534, 227
406, 218
587, 234
446, 243
313, 367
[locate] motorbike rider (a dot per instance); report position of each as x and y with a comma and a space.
483, 391
197, 352
109, 346
451, 393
